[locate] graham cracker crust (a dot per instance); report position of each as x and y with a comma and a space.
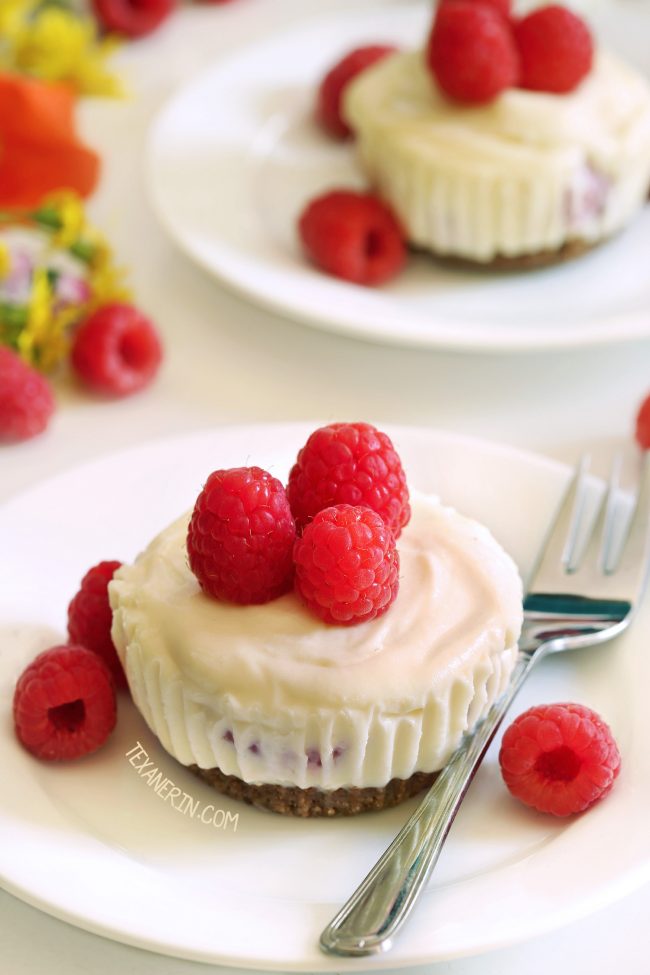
524, 262
294, 801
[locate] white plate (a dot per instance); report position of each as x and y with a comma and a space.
91, 843
234, 157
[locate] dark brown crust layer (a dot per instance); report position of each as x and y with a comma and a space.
293, 801
524, 262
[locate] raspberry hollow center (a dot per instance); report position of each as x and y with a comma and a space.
373, 244
560, 764
68, 717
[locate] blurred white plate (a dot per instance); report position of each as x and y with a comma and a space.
91, 843
235, 156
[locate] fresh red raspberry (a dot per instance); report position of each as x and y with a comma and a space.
133, 18
347, 565
26, 400
241, 535
555, 49
471, 52
90, 618
64, 704
116, 350
559, 758
353, 236
330, 92
353, 464
642, 432
502, 6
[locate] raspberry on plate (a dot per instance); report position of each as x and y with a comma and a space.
504, 7
555, 49
471, 52
241, 535
347, 565
330, 92
559, 758
642, 431
26, 400
133, 18
64, 704
353, 236
349, 463
90, 617
116, 350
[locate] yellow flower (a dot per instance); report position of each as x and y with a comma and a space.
105, 278
43, 341
5, 261
49, 44
56, 44
107, 284
12, 15
91, 76
67, 208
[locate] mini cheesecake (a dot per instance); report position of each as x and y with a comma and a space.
273, 706
532, 177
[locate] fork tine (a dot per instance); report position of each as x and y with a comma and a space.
636, 542
570, 553
555, 548
600, 549
610, 551
588, 521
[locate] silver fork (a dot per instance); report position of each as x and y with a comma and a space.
585, 590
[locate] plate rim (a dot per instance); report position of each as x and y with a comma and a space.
631, 880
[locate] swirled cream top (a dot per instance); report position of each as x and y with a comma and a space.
604, 119
459, 600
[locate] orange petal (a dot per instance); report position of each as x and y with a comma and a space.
26, 176
33, 112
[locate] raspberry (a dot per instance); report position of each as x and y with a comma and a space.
330, 92
501, 6
471, 52
353, 236
133, 18
116, 350
555, 50
241, 536
347, 565
90, 618
64, 704
349, 463
559, 758
26, 400
642, 432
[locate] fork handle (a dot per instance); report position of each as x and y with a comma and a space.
372, 916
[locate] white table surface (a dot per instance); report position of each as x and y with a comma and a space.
228, 362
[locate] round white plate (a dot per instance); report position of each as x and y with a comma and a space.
92, 842
234, 157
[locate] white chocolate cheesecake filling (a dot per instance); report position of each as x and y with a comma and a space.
526, 173
272, 694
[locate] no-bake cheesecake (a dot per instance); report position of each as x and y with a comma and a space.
274, 706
